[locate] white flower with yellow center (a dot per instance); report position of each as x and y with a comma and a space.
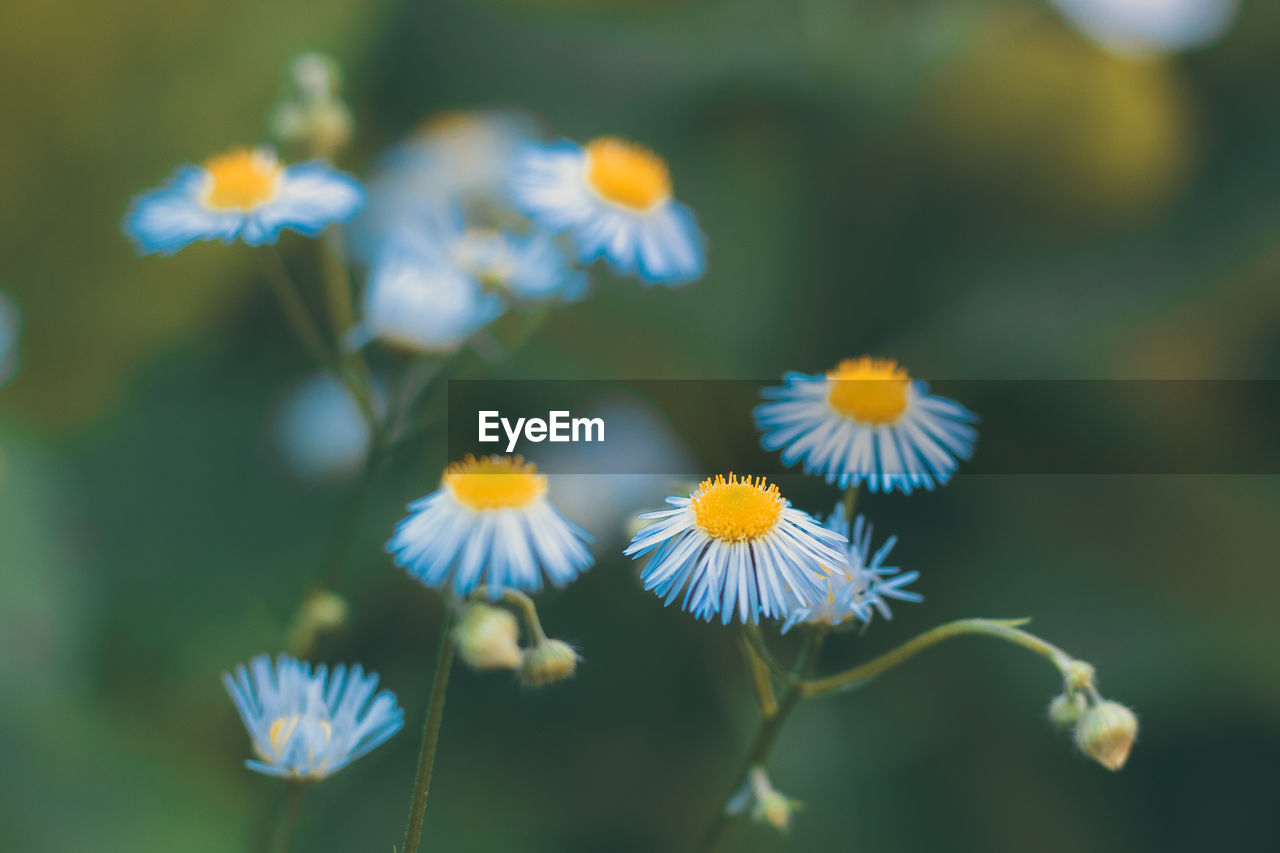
1150, 26
736, 546
308, 726
867, 421
614, 199
246, 194
490, 523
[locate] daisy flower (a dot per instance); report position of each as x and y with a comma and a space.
862, 589
614, 199
490, 523
422, 304
529, 268
866, 420
307, 726
737, 546
245, 194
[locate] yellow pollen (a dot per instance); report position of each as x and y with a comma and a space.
494, 482
627, 174
281, 731
242, 179
872, 391
737, 510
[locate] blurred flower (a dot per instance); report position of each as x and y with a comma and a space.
767, 804
488, 638
1150, 26
319, 430
245, 194
456, 159
548, 662
313, 115
422, 304
10, 329
867, 421
1066, 708
862, 589
321, 612
527, 268
490, 522
737, 545
614, 198
308, 726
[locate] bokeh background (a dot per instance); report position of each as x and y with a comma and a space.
978, 188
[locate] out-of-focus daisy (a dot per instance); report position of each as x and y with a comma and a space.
862, 589
423, 304
304, 725
313, 114
320, 431
10, 329
867, 421
614, 199
736, 546
1150, 26
529, 268
490, 523
245, 194
456, 159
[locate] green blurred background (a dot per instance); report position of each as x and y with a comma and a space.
971, 187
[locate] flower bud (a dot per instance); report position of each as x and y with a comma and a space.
321, 612
548, 662
1106, 733
1064, 710
488, 638
1080, 675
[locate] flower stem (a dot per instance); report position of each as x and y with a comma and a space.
430, 735
292, 804
1004, 629
770, 727
850, 502
294, 307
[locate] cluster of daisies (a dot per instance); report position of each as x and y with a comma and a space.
470, 216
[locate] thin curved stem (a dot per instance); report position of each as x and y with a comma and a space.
430, 735
770, 727
751, 634
523, 603
1004, 629
760, 680
295, 307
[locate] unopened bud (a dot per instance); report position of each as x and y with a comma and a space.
770, 805
488, 638
548, 662
1064, 710
321, 612
1080, 675
1106, 733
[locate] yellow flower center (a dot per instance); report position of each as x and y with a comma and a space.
494, 482
627, 174
242, 179
872, 391
737, 510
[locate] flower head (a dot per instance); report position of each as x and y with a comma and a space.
307, 726
420, 303
488, 638
1106, 732
490, 522
615, 200
737, 546
245, 194
860, 591
867, 421
547, 662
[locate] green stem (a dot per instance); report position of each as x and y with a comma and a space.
337, 284
850, 502
1004, 629
523, 603
770, 727
751, 634
758, 669
295, 308
292, 804
430, 735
